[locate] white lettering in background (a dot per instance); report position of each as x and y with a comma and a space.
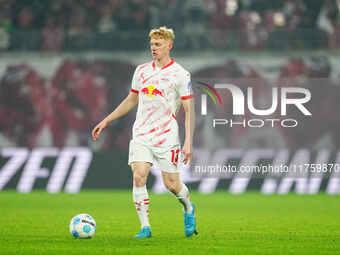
301, 172
333, 186
301, 157
208, 185
297, 171
17, 157
251, 157
270, 183
33, 170
81, 158
316, 178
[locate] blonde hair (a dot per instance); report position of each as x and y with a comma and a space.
163, 33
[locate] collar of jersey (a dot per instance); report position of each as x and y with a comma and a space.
169, 64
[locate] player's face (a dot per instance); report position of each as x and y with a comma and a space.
160, 47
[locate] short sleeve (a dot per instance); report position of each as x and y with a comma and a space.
134, 83
185, 86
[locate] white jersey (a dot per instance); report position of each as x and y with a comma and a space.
160, 93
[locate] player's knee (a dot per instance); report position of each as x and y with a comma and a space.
171, 186
139, 179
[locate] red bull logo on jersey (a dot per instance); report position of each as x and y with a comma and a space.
151, 91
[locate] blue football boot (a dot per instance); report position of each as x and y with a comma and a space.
144, 233
190, 222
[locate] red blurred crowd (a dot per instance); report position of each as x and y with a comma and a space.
81, 93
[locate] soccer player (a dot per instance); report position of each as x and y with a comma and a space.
159, 87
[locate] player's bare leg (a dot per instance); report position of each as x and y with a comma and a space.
173, 183
140, 196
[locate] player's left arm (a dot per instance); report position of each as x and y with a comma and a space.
189, 109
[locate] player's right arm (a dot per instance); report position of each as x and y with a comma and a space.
125, 106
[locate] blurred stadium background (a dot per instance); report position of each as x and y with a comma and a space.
65, 64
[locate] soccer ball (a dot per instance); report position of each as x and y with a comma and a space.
82, 226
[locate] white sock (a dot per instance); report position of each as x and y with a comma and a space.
141, 200
184, 198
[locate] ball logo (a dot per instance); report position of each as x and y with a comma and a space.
151, 91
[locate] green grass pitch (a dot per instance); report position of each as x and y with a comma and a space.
37, 223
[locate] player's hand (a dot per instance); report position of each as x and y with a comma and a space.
187, 152
98, 129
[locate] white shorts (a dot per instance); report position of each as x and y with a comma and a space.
167, 158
